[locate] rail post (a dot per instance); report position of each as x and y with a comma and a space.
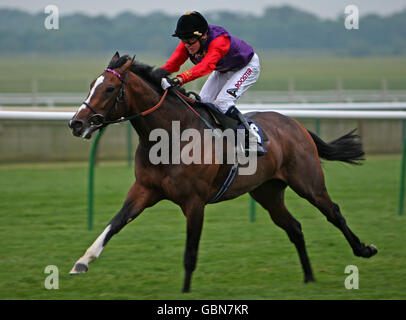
317, 126
252, 209
90, 194
402, 170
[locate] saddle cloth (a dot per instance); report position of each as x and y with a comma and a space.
261, 136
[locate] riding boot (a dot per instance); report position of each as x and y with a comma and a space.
252, 144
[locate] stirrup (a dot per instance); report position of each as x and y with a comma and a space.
259, 150
248, 149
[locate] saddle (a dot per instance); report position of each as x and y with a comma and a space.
217, 116
227, 122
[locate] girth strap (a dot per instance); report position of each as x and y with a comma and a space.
226, 184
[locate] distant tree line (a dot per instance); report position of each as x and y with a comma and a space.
282, 28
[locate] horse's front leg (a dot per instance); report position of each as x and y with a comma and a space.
139, 197
194, 212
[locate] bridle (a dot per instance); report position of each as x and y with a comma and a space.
99, 120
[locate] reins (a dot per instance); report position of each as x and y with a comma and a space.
143, 113
183, 99
100, 120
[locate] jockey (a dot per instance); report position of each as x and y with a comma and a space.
233, 64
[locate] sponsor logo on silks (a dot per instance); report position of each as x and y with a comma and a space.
233, 92
243, 78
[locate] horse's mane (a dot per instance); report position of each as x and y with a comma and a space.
148, 73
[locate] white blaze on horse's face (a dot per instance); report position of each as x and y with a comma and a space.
96, 84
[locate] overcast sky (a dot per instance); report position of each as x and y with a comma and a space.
323, 8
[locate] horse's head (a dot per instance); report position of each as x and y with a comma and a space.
101, 105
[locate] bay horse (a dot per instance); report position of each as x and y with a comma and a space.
128, 90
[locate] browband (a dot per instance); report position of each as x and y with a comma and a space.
114, 72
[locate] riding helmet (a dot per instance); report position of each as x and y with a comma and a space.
190, 25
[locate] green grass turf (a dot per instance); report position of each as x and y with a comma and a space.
73, 73
43, 222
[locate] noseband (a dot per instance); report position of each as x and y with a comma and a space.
99, 120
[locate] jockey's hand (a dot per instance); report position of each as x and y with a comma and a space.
169, 83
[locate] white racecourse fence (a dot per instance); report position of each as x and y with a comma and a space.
375, 110
35, 98
382, 126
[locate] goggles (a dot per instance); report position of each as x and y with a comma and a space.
189, 41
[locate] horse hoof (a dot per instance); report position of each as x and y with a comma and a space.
367, 251
373, 250
79, 268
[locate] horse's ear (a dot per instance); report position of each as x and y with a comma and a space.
126, 66
115, 57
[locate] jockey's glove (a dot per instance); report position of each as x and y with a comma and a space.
169, 83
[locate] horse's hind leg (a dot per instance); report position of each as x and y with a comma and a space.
332, 212
271, 196
307, 180
137, 200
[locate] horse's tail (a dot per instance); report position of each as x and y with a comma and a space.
347, 148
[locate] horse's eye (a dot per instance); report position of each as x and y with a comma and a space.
110, 89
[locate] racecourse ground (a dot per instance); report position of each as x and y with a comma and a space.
43, 222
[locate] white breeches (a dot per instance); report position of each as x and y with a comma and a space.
224, 89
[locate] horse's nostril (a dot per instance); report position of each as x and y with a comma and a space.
75, 124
